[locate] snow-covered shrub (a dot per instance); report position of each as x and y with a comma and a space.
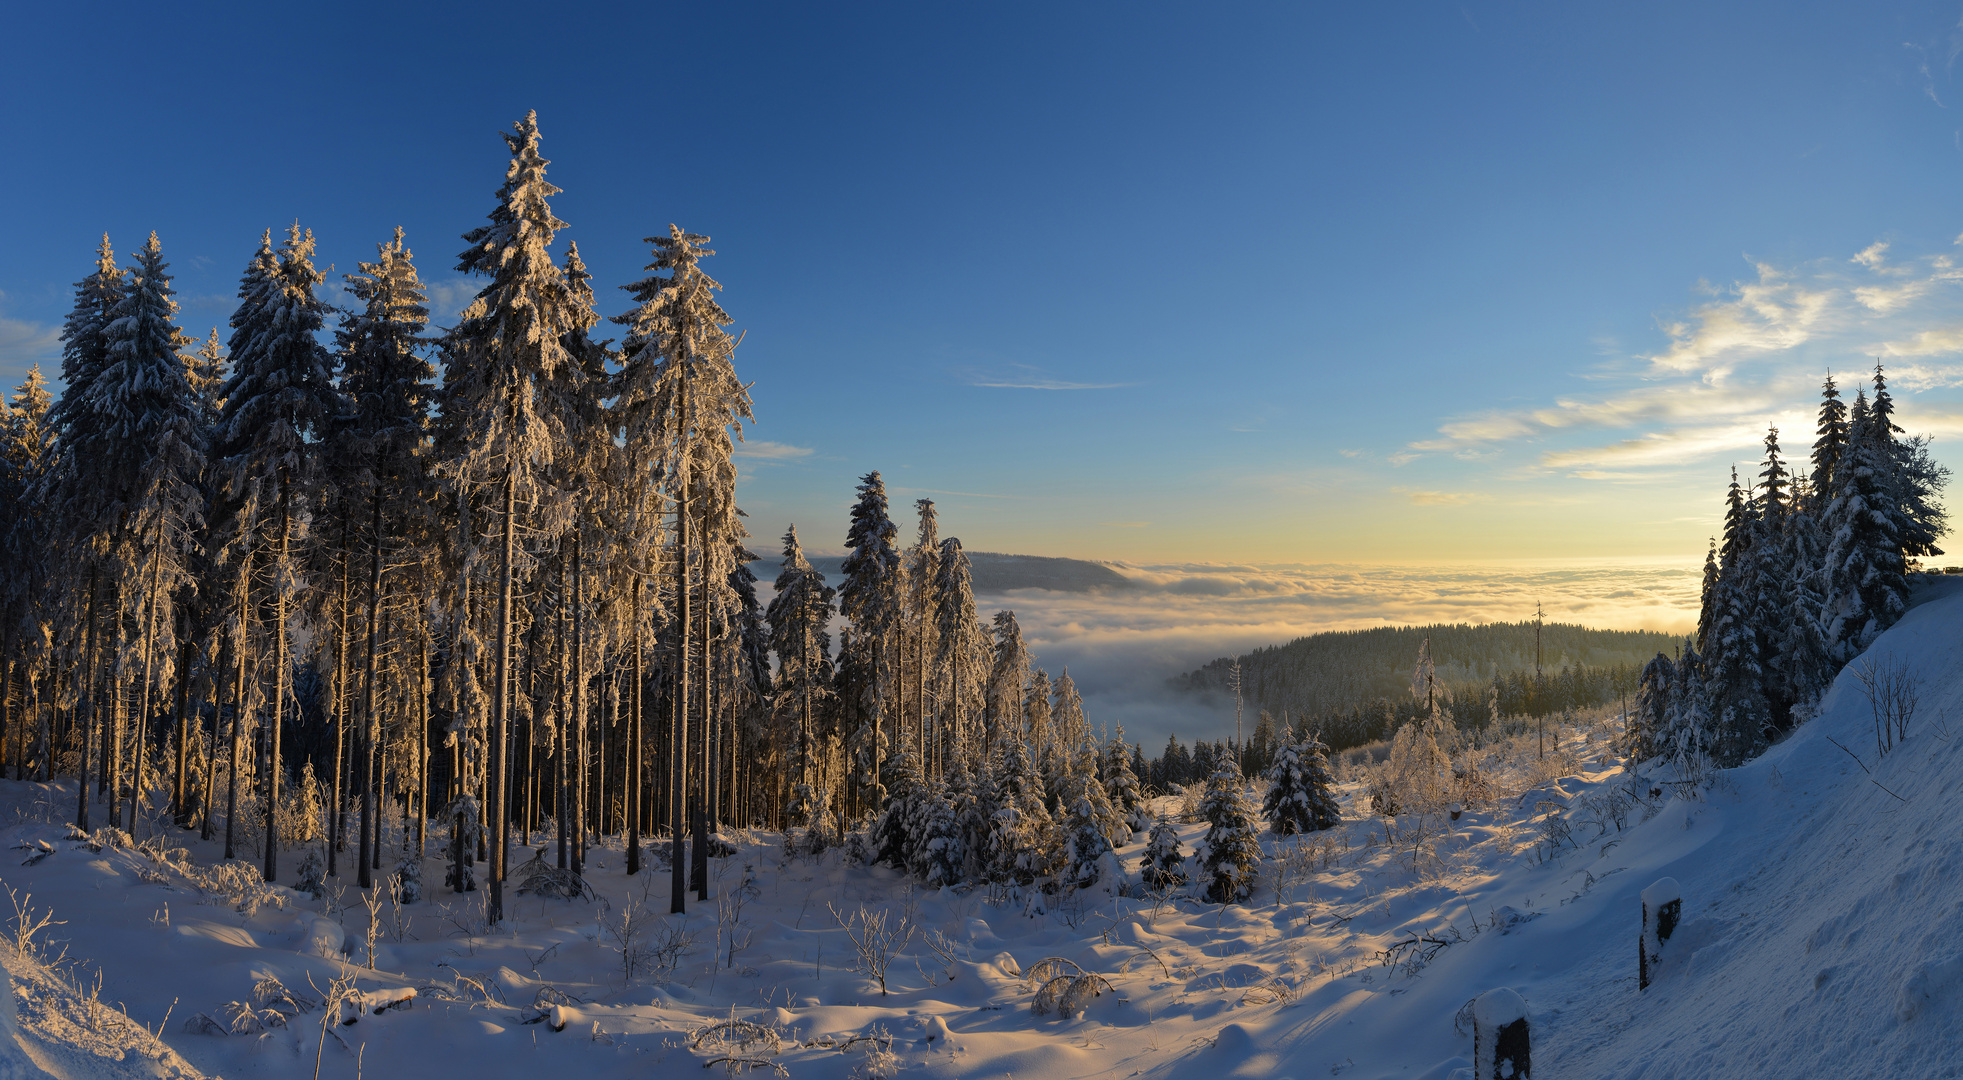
539, 878
1062, 987
878, 1061
305, 824
1230, 853
1190, 797
1163, 865
409, 872
313, 875
876, 937
1417, 776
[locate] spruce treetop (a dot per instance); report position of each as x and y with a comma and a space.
281, 391
867, 594
1832, 439
84, 343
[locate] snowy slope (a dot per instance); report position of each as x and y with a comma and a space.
1820, 939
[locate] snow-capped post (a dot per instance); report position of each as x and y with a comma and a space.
1499, 1036
1663, 905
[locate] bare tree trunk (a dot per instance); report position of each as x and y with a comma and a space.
678, 728
500, 707
85, 677
422, 755
205, 828
180, 811
632, 765
280, 665
580, 690
370, 721
232, 774
705, 785
337, 818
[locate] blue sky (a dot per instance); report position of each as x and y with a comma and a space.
1433, 282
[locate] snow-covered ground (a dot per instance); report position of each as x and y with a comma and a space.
1820, 937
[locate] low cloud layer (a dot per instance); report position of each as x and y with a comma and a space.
1121, 646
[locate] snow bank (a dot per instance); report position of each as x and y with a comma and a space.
14, 1062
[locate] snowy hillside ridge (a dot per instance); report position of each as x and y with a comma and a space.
1818, 921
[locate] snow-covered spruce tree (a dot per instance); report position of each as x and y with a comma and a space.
681, 408
25, 563
1830, 443
580, 390
799, 615
156, 449
869, 596
1087, 823
971, 799
502, 436
1298, 797
922, 575
1651, 719
1771, 596
962, 648
1867, 590
1046, 751
279, 397
1319, 783
1231, 852
1804, 645
1163, 866
1007, 678
1734, 665
1121, 785
1688, 735
892, 837
1020, 845
1707, 604
78, 491
938, 857
389, 385
1914, 481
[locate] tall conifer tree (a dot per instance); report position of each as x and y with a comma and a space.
277, 402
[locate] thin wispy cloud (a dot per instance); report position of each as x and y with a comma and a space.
24, 343
1752, 354
960, 494
762, 452
1025, 377
1439, 498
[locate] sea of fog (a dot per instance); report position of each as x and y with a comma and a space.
1120, 645
1122, 635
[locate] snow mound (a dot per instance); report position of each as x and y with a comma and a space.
322, 937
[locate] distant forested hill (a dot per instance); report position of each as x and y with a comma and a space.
995, 572
1342, 672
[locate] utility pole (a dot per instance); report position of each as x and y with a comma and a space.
1240, 745
1540, 712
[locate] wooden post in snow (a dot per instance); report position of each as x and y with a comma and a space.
1663, 905
1499, 1036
